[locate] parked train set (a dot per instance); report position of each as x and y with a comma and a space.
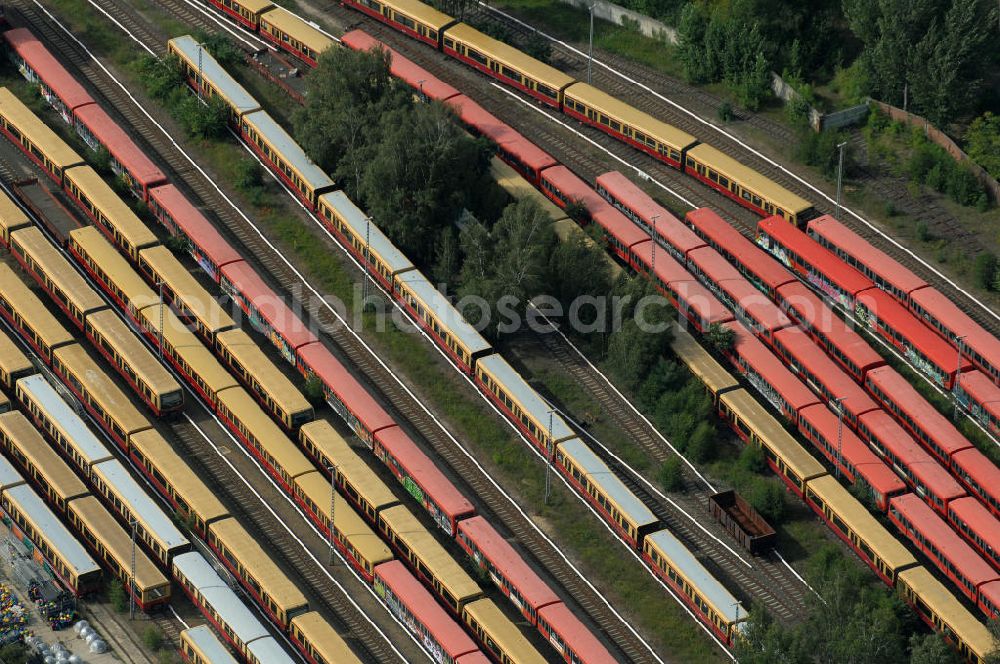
470, 358
448, 507
822, 425
543, 83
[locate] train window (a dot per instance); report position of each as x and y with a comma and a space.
724, 181
551, 93
477, 56
616, 126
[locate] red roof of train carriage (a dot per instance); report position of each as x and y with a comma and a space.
982, 390
668, 270
473, 658
528, 153
924, 467
535, 592
617, 224
821, 260
946, 311
722, 234
980, 468
50, 70
419, 602
668, 227
939, 535
423, 471
120, 145
756, 305
195, 225
713, 265
881, 478
269, 304
487, 124
979, 519
572, 631
893, 314
821, 317
916, 407
767, 365
990, 591
817, 363
864, 253
350, 391
402, 67
697, 298
854, 450
573, 187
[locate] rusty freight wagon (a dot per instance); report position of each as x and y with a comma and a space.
742, 521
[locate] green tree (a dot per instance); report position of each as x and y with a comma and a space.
983, 142
313, 390
720, 338
752, 459
577, 268
932, 649
118, 596
768, 498
223, 49
448, 256
672, 474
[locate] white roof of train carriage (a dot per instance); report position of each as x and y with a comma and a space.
213, 72
140, 504
85, 442
220, 596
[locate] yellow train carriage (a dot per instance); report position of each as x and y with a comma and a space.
72, 292
431, 561
154, 384
937, 606
266, 441
35, 137
12, 217
503, 640
853, 522
113, 545
104, 262
745, 185
105, 399
186, 352
200, 645
320, 641
293, 34
359, 482
14, 364
21, 441
517, 187
23, 308
281, 598
506, 62
109, 211
758, 427
191, 300
365, 548
4, 403
410, 16
700, 362
278, 393
186, 490
613, 116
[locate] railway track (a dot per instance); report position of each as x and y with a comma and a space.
765, 580
257, 249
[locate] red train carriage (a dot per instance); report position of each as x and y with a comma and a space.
58, 87
820, 267
422, 479
854, 250
768, 375
922, 472
569, 636
132, 164
822, 374
205, 244
622, 236
512, 575
846, 451
639, 206
922, 347
266, 310
957, 560
564, 188
753, 263
980, 528
401, 67
938, 311
981, 397
979, 475
842, 343
693, 301
344, 392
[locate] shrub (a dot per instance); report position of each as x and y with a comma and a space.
313, 390
922, 232
671, 474
152, 637
752, 459
984, 270
118, 596
768, 498
726, 112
